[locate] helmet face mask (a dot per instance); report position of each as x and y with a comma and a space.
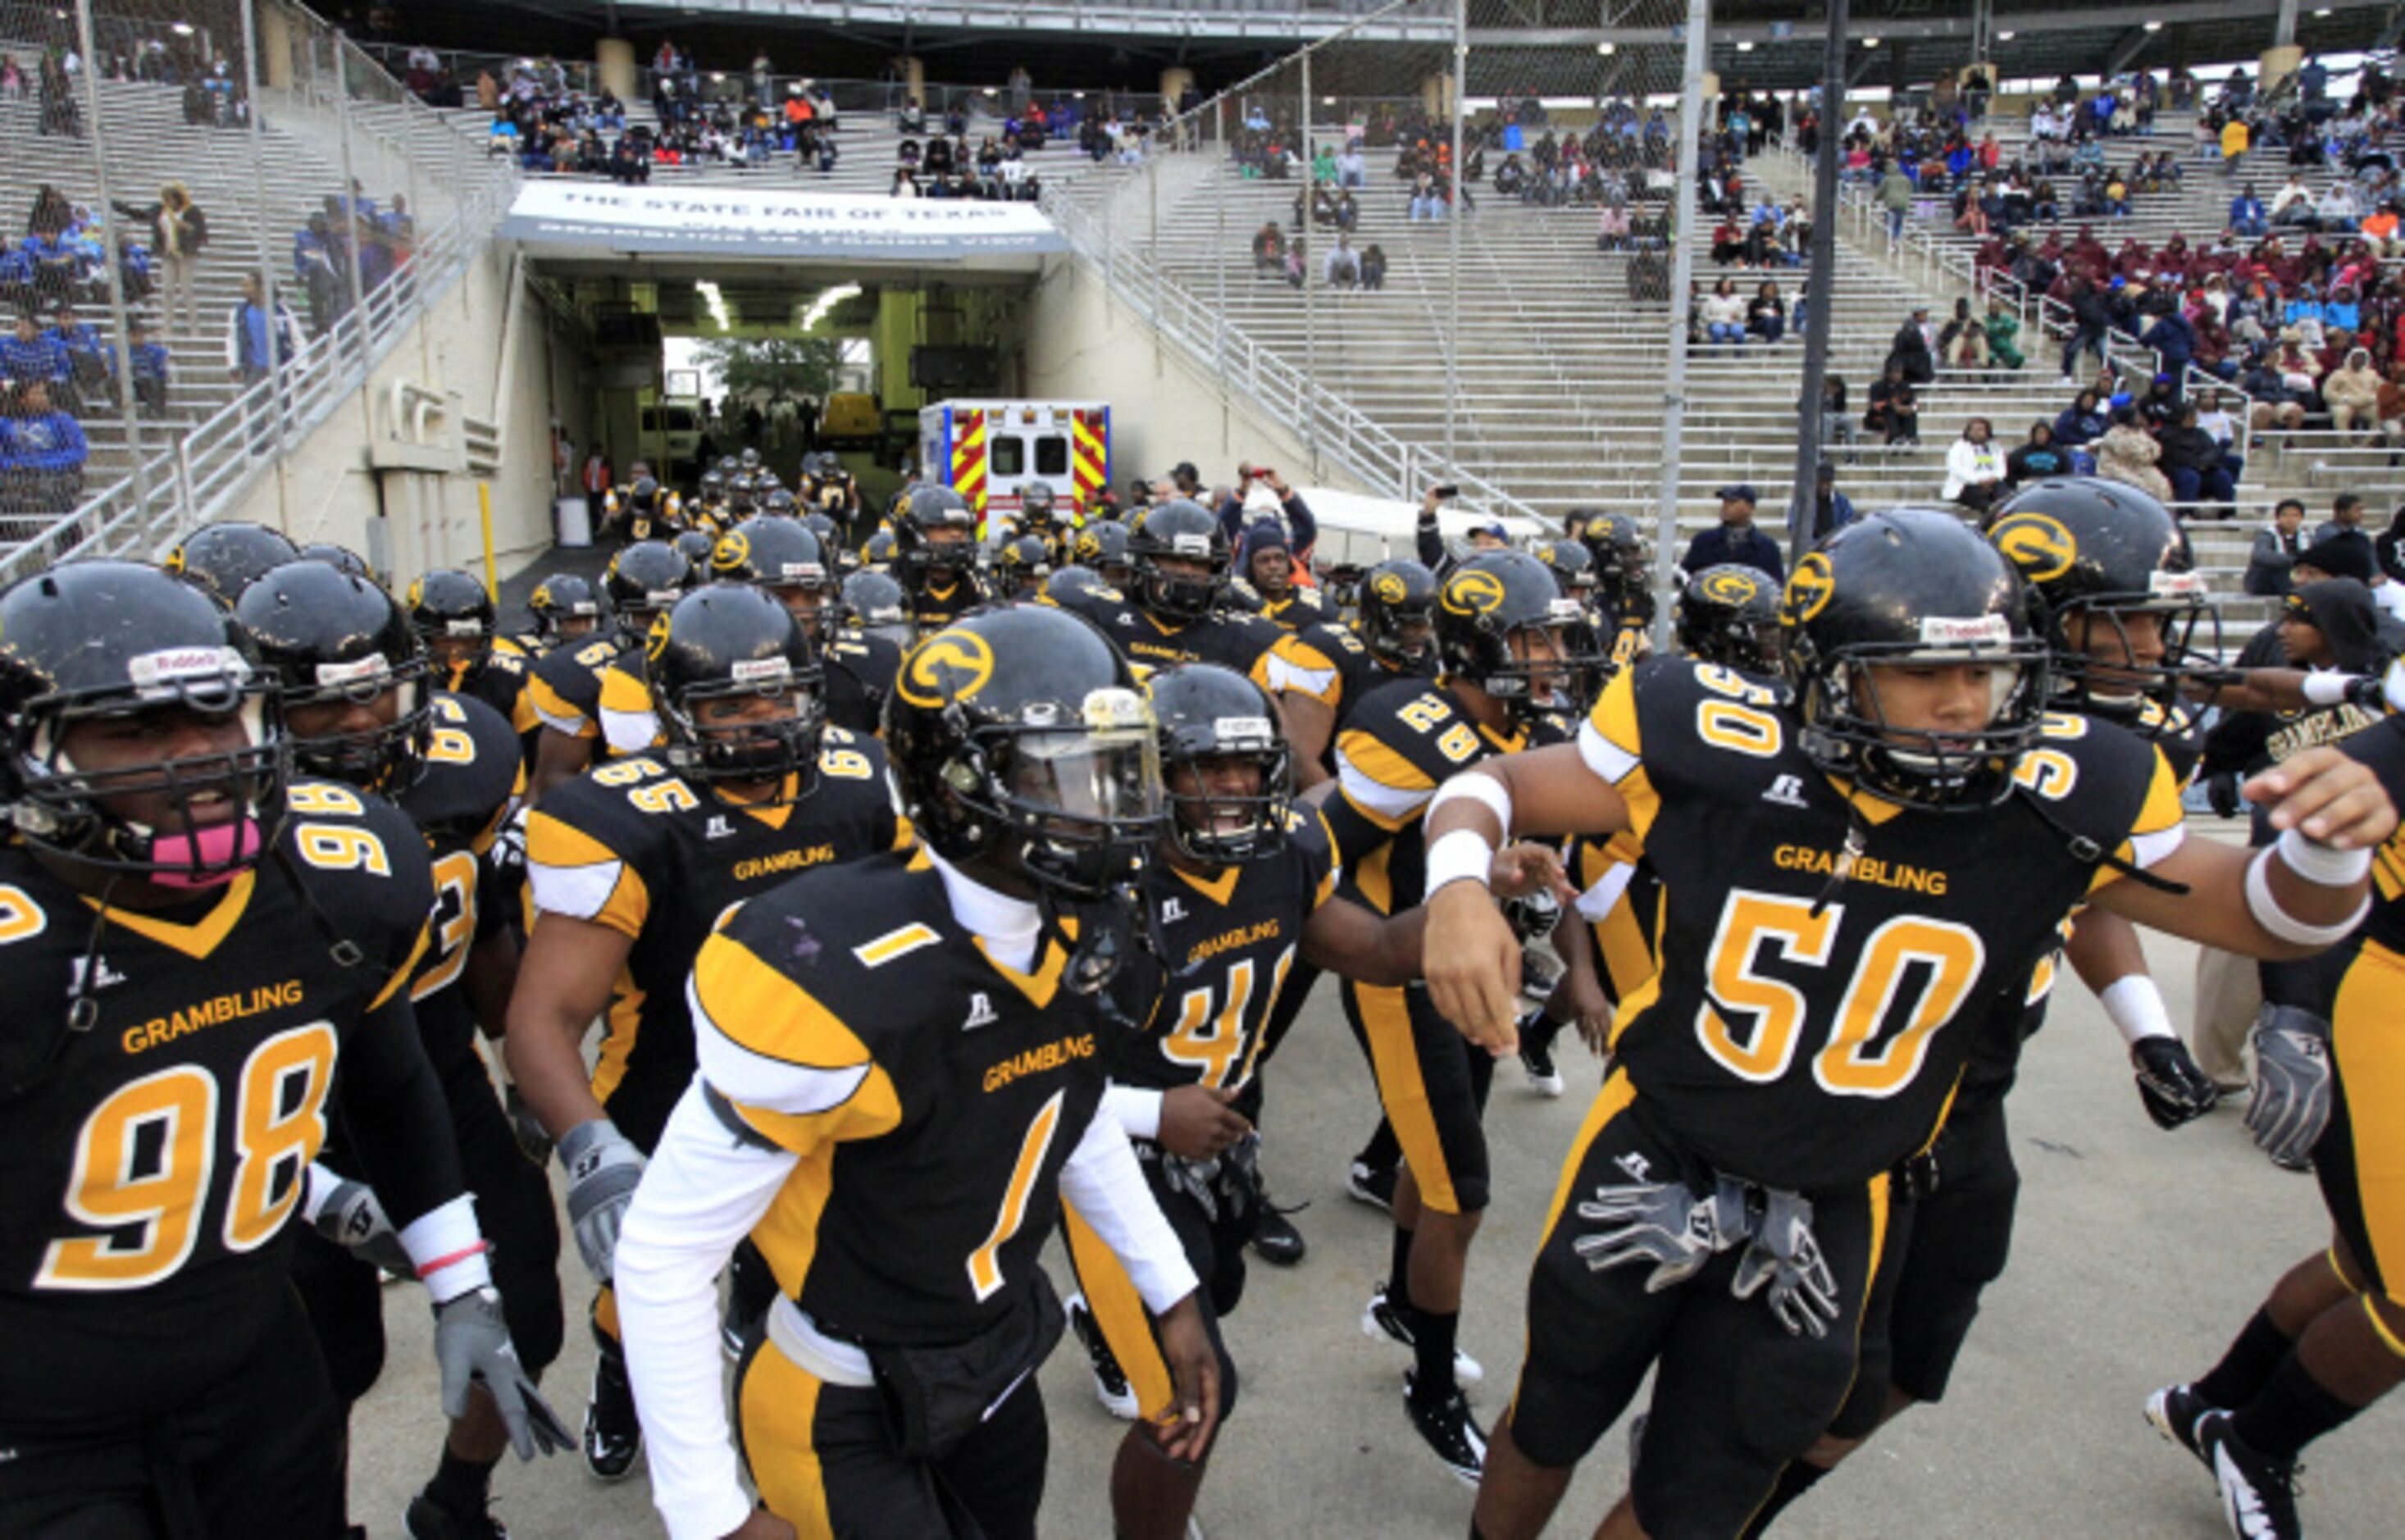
935, 535
738, 692
1500, 625
1181, 560
1398, 606
1892, 615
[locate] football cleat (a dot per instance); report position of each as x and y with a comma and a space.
430, 1520
1111, 1387
1382, 1318
1447, 1427
1277, 1241
613, 1435
1372, 1184
2174, 1410
1537, 1055
2259, 1495
1539, 975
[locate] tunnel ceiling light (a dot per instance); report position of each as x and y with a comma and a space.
2153, 26
1870, 42
827, 301
2006, 36
1745, 47
1607, 50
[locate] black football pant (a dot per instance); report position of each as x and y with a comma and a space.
259, 1454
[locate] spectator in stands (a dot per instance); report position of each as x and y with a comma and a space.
2292, 206
1895, 411
32, 354
1373, 266
1838, 426
2036, 458
2352, 392
2127, 453
42, 453
2159, 405
1298, 262
1895, 198
2277, 546
90, 363
1831, 510
1975, 469
260, 339
2233, 145
1735, 539
1914, 350
59, 113
1964, 342
2248, 219
2192, 462
2091, 318
152, 372
2346, 517
1342, 269
13, 79
1765, 314
1724, 314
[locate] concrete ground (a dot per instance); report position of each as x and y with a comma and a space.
2138, 1254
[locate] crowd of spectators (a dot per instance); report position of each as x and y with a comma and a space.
381, 238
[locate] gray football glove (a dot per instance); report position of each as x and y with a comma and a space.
2292, 1085
471, 1343
354, 1221
1787, 1256
603, 1169
1663, 1222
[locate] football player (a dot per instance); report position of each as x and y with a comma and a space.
197, 942
1040, 516
1020, 567
1502, 661
641, 509
1102, 544
644, 580
350, 677
341, 557
1849, 871
564, 609
902, 1068
1083, 590
224, 558
454, 613
2116, 593
788, 559
1624, 578
1176, 614
1392, 636
937, 557
875, 605
630, 865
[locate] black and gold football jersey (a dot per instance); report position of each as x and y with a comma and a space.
1401, 743
1227, 943
1261, 650
156, 1152
633, 846
1620, 899
629, 723
473, 778
1817, 998
566, 688
860, 672
936, 605
1300, 610
1358, 671
503, 684
933, 1092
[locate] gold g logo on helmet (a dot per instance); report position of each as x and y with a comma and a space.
656, 643
1734, 588
948, 665
416, 594
540, 599
1390, 588
734, 548
1807, 590
2035, 543
175, 561
1472, 591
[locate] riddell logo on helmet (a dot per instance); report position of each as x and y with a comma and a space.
170, 664
1957, 632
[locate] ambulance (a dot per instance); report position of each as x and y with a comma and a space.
988, 450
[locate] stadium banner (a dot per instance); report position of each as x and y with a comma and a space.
741, 222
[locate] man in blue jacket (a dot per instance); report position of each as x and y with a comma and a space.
42, 451
1735, 539
2247, 218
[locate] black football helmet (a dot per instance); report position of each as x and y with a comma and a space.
1572, 565
780, 501
341, 558
1729, 614
644, 580
742, 493
1082, 589
783, 556
325, 637
919, 555
559, 601
1210, 715
1485, 603
878, 554
454, 615
104, 640
1398, 601
225, 559
1911, 585
830, 533
1035, 504
1023, 563
1020, 737
729, 640
713, 487
1623, 563
872, 602
1103, 546
695, 545
2096, 553
1180, 529
749, 460
643, 495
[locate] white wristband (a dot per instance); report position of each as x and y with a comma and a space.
1484, 790
2315, 862
448, 1241
2136, 1007
1462, 856
2264, 904
2324, 687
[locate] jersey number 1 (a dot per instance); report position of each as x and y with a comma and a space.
985, 1262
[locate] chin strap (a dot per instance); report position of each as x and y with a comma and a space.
2085, 849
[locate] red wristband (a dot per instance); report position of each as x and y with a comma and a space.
460, 1255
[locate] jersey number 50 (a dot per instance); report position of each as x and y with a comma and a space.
1942, 959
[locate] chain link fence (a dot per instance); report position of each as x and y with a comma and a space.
230, 213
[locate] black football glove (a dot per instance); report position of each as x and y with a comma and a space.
2174, 1090
2221, 793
